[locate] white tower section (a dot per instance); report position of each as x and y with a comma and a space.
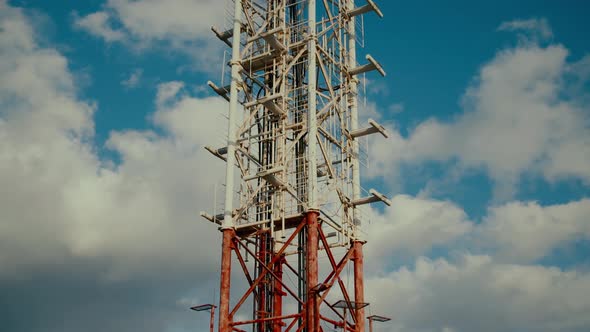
294, 75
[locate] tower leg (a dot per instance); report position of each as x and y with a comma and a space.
359, 285
262, 287
226, 248
212, 319
312, 308
278, 295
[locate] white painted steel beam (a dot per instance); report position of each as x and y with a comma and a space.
370, 6
312, 125
214, 219
264, 173
271, 38
222, 91
372, 65
269, 103
260, 61
352, 102
373, 128
219, 153
223, 35
375, 197
228, 221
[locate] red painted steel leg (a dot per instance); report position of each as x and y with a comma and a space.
312, 271
262, 286
226, 248
278, 295
359, 285
212, 320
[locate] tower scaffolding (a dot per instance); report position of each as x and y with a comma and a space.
292, 165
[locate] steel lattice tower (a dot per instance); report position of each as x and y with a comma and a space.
293, 166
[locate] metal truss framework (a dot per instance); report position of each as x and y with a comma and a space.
296, 153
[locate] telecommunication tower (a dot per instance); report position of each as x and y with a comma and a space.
293, 192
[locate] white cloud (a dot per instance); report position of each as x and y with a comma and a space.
74, 227
526, 232
133, 80
515, 121
581, 69
180, 25
180, 119
174, 19
139, 215
20, 37
500, 290
98, 24
536, 27
478, 294
514, 232
412, 226
167, 91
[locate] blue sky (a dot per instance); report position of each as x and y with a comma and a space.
431, 57
104, 112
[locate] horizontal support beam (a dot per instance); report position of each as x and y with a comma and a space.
223, 36
375, 197
372, 65
273, 107
373, 128
267, 319
271, 38
270, 177
222, 152
262, 61
219, 153
269, 103
264, 173
370, 6
277, 183
222, 91
214, 219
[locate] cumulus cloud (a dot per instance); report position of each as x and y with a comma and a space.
514, 232
413, 226
475, 293
183, 19
167, 91
47, 160
525, 232
123, 239
180, 25
487, 279
515, 121
98, 24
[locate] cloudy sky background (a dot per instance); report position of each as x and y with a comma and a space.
104, 113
